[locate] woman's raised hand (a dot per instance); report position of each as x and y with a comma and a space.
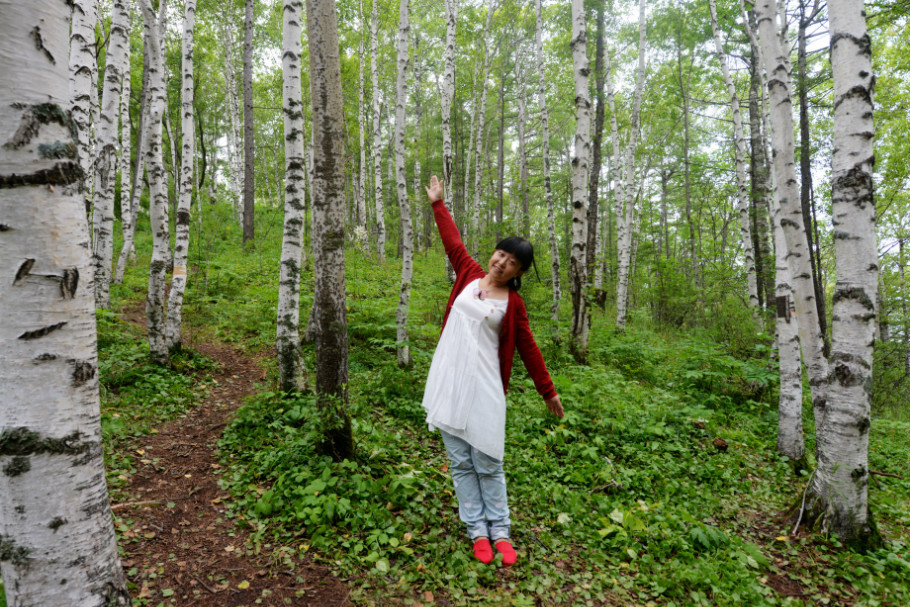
434, 191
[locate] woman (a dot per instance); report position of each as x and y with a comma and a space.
485, 322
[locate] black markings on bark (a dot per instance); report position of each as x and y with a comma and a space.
44, 358
62, 173
69, 282
23, 271
58, 149
39, 44
58, 522
4, 227
11, 553
116, 596
42, 331
857, 294
19, 509
784, 222
18, 465
34, 117
22, 441
83, 371
183, 217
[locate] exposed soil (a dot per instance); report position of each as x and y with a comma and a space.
180, 548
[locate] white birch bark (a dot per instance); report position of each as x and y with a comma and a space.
235, 163
446, 95
105, 158
291, 370
404, 205
187, 176
547, 183
626, 207
522, 150
468, 150
377, 134
842, 477
125, 162
581, 158
249, 141
57, 541
83, 66
328, 226
777, 65
158, 202
739, 159
361, 232
479, 148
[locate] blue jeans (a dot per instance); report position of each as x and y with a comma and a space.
480, 486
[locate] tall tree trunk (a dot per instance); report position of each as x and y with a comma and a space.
83, 66
118, 55
777, 64
841, 485
185, 197
235, 168
465, 198
480, 143
547, 183
158, 204
501, 158
805, 168
55, 521
377, 135
127, 212
616, 176
522, 149
581, 318
739, 159
446, 95
597, 138
361, 232
328, 227
625, 210
404, 205
291, 370
687, 180
249, 175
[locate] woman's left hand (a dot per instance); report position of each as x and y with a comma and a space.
554, 405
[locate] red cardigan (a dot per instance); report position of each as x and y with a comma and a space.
515, 331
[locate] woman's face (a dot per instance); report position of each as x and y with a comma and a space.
503, 267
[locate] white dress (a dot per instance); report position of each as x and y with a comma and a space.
464, 394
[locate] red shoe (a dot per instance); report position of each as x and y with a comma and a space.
504, 547
483, 551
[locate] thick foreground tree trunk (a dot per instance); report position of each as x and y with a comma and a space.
328, 227
57, 542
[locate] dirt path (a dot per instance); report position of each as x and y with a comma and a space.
180, 548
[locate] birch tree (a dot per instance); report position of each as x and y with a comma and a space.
377, 134
547, 182
235, 168
739, 159
362, 168
185, 199
626, 207
291, 371
249, 175
446, 95
158, 203
57, 541
841, 486
522, 150
404, 204
479, 120
328, 227
126, 141
581, 154
105, 160
593, 234
82, 67
777, 66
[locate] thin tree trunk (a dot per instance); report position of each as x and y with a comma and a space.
739, 159
158, 211
523, 149
55, 521
291, 370
361, 231
841, 485
83, 66
185, 198
687, 181
501, 158
249, 175
377, 135
777, 64
328, 227
446, 95
597, 138
404, 205
127, 212
480, 143
625, 214
547, 183
235, 169
580, 172
118, 55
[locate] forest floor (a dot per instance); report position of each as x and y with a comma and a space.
179, 545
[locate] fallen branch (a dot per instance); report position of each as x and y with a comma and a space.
128, 504
888, 474
204, 585
802, 507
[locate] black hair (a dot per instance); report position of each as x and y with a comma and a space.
523, 252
